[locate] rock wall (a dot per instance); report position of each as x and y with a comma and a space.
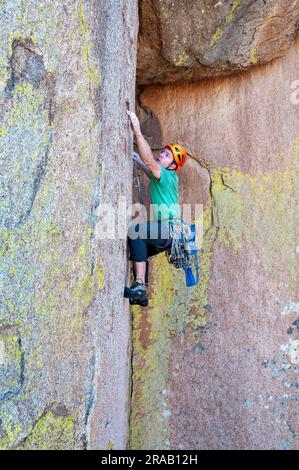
216, 366
67, 76
182, 41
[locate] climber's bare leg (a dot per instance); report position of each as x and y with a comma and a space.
139, 269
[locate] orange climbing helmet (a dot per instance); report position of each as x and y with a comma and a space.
179, 155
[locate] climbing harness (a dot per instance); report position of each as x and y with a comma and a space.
183, 252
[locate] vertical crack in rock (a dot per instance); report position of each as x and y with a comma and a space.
214, 209
39, 174
91, 398
131, 386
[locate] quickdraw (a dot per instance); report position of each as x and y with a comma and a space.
183, 252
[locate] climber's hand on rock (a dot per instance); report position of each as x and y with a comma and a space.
134, 122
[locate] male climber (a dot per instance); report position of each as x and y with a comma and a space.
153, 237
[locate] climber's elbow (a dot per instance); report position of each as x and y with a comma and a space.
154, 168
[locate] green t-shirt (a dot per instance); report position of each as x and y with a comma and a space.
165, 193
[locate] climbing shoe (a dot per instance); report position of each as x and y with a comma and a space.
142, 303
137, 291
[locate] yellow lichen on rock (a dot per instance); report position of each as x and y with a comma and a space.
51, 433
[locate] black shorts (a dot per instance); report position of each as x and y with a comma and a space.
148, 239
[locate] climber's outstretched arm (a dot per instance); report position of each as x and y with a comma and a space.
144, 149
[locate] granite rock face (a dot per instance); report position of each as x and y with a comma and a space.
64, 91
216, 366
183, 41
